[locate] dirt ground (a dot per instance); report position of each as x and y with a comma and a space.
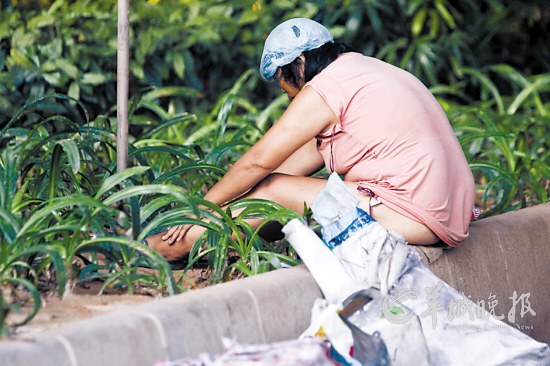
85, 302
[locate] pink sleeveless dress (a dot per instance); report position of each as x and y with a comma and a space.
393, 138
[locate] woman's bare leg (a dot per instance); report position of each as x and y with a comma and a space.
292, 192
288, 191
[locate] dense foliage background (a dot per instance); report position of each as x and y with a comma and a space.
198, 102
69, 47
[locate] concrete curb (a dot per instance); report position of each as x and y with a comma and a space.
506, 257
266, 308
504, 254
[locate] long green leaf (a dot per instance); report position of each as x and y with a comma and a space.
53, 206
159, 260
484, 79
73, 154
9, 225
55, 171
118, 178
484, 166
126, 193
178, 171
542, 84
28, 106
33, 291
169, 123
171, 91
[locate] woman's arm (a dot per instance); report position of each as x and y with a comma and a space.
303, 162
306, 116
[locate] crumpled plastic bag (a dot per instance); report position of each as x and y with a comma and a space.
301, 352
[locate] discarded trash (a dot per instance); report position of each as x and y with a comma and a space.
334, 280
302, 352
436, 329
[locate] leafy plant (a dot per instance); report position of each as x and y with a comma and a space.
231, 235
200, 47
504, 138
69, 218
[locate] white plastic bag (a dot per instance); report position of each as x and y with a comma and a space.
301, 352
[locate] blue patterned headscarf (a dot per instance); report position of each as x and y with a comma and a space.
288, 40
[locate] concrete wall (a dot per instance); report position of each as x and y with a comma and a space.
504, 254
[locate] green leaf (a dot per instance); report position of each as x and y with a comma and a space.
155, 108
178, 171
485, 81
418, 22
34, 102
94, 78
67, 67
9, 225
35, 294
126, 193
53, 78
53, 206
20, 59
40, 21
118, 178
55, 171
74, 90
73, 153
171, 91
445, 14
179, 65
413, 5
484, 166
542, 83
169, 123
53, 49
166, 150
435, 24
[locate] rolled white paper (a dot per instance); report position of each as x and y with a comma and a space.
334, 281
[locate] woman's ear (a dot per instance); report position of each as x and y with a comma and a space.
301, 61
302, 68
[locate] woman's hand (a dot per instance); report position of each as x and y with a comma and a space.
176, 233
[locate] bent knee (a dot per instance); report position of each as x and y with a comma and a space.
269, 187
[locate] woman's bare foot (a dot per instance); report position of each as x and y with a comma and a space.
172, 252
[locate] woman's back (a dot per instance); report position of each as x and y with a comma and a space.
394, 138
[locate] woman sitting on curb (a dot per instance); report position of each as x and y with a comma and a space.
373, 123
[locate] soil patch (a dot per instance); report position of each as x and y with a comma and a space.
85, 302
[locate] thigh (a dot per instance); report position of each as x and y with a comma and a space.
288, 190
295, 191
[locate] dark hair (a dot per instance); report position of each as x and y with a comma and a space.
315, 61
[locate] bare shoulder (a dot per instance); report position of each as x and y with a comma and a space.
309, 110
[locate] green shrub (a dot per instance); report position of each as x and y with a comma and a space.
66, 215
504, 137
69, 47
